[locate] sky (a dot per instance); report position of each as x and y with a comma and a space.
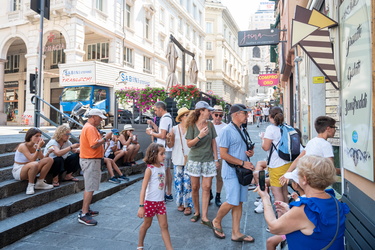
241, 10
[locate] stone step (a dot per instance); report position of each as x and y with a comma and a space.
7, 147
11, 187
5, 174
21, 225
6, 159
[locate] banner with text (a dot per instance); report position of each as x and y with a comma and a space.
268, 80
356, 74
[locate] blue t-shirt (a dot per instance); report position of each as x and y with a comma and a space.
231, 139
323, 214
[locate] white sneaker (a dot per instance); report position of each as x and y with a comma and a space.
41, 184
259, 208
256, 203
30, 189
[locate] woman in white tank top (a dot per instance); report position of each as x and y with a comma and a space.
26, 166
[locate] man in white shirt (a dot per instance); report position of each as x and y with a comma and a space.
217, 117
266, 113
165, 125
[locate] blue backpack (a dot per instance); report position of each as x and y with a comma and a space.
288, 148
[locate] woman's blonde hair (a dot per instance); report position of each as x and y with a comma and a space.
60, 131
125, 134
193, 117
152, 151
319, 171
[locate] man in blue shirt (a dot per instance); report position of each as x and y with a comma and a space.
233, 150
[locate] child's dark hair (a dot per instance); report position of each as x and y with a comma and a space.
322, 122
152, 151
276, 113
31, 132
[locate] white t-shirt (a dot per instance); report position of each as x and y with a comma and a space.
218, 129
177, 155
156, 184
273, 133
266, 111
165, 124
108, 148
320, 147
53, 142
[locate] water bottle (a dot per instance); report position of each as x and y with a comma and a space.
124, 147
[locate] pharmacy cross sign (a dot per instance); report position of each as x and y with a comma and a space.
51, 37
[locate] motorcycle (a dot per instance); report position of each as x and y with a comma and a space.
79, 115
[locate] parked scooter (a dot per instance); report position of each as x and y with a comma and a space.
79, 114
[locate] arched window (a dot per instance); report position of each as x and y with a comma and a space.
256, 52
256, 69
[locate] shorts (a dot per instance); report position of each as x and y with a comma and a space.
276, 173
198, 169
154, 207
168, 159
91, 173
236, 193
16, 171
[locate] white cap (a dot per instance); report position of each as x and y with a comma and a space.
203, 105
97, 112
292, 175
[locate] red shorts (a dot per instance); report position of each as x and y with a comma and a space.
154, 207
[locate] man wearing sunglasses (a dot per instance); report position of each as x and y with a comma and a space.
217, 116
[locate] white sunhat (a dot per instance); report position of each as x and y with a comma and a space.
292, 175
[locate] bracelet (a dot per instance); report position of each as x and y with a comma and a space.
71, 148
37, 150
243, 163
199, 138
141, 205
216, 160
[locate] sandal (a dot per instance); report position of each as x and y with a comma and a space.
195, 218
55, 184
180, 208
187, 211
220, 230
206, 223
72, 179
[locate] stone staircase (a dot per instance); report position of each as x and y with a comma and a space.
22, 214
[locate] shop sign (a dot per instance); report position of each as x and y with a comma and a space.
53, 47
356, 75
77, 75
268, 80
319, 79
258, 37
125, 77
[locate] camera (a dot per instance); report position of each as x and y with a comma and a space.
250, 145
262, 180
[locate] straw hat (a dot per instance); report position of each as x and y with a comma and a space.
181, 112
218, 108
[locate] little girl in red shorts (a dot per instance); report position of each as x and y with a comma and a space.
151, 199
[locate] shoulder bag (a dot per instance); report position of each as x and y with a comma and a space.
338, 225
182, 146
244, 175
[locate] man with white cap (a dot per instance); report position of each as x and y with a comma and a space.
91, 155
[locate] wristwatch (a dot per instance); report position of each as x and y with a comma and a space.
141, 205
243, 163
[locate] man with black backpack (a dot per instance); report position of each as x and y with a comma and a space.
165, 125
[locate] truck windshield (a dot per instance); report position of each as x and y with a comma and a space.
76, 94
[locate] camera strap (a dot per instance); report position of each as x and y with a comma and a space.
243, 137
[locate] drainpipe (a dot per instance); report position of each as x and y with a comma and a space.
297, 59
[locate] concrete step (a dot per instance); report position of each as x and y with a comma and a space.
6, 147
14, 199
6, 159
5, 174
21, 225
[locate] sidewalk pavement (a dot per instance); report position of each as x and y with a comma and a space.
118, 224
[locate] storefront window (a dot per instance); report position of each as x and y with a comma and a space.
11, 103
76, 94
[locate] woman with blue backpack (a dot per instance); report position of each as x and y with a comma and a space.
271, 142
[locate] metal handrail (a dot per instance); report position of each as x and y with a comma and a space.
49, 120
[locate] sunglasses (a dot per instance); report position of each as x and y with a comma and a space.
333, 127
116, 133
68, 134
217, 115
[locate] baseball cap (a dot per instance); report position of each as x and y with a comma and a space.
238, 107
115, 130
292, 175
203, 105
97, 112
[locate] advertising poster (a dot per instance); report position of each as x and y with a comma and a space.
356, 76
